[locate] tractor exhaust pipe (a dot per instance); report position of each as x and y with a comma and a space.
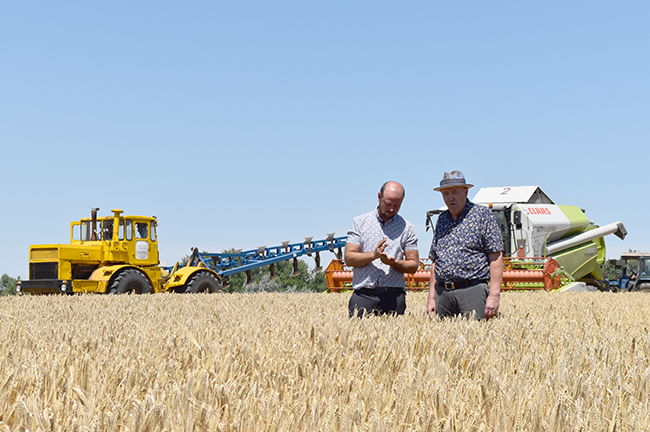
93, 223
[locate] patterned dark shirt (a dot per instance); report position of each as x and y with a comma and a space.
460, 247
367, 230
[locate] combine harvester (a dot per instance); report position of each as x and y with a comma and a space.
119, 254
547, 246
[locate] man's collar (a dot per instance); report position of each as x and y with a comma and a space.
463, 212
380, 219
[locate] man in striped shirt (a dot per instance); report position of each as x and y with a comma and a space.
381, 246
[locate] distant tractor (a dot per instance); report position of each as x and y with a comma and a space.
118, 254
633, 272
114, 254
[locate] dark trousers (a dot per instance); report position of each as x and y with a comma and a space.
379, 301
469, 301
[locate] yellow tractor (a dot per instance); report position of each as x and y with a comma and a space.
113, 254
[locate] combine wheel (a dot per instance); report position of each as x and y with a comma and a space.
644, 287
128, 281
202, 282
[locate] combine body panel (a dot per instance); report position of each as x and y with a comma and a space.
534, 227
542, 224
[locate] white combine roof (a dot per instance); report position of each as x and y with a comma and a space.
512, 194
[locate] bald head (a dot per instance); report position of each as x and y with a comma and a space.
390, 198
391, 186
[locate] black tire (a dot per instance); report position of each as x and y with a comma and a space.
643, 287
130, 281
202, 282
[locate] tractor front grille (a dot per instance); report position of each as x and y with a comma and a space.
47, 270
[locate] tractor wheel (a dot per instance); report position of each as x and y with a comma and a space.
202, 282
644, 287
130, 281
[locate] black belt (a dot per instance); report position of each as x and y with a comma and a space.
463, 283
378, 290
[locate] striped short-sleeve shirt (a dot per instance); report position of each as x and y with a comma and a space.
367, 230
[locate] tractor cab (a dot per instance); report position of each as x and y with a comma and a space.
115, 253
123, 239
632, 272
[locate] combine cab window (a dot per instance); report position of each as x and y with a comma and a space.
153, 231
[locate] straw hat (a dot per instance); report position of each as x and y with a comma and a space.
453, 179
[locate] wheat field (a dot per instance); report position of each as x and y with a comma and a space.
284, 362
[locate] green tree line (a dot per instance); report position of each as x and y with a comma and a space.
8, 285
304, 281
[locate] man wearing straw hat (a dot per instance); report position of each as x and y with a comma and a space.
381, 246
466, 255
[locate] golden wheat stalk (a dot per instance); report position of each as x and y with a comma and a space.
277, 362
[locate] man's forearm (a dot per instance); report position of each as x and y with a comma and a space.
432, 279
360, 259
409, 264
496, 273
406, 266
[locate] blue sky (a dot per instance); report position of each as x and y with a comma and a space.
241, 124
